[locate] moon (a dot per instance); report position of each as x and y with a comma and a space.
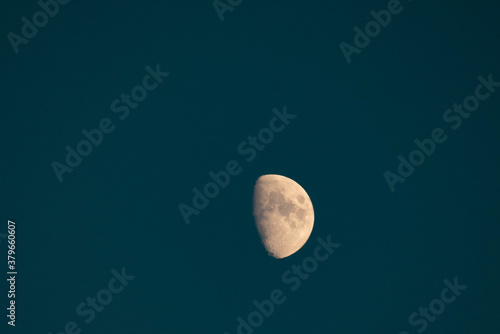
283, 214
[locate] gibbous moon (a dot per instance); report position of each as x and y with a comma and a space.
283, 214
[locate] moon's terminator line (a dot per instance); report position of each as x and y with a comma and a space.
283, 214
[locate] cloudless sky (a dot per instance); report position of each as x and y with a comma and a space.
119, 207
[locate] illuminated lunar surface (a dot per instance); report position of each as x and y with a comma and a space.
283, 214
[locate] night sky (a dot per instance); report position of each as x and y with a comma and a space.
155, 95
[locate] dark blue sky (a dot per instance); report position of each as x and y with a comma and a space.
118, 208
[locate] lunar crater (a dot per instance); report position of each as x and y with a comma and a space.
283, 213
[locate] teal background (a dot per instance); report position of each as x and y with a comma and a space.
119, 207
